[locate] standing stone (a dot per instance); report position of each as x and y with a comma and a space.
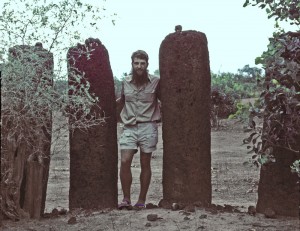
94, 152
26, 153
185, 95
278, 189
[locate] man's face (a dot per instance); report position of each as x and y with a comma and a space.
139, 66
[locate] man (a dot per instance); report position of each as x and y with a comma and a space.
140, 112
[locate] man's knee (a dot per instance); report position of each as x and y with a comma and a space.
126, 156
145, 160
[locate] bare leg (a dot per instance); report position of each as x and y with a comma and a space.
125, 172
145, 176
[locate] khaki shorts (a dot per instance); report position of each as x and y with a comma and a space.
143, 135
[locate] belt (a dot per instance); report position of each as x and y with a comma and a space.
142, 122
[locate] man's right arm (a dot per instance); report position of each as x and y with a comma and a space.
121, 101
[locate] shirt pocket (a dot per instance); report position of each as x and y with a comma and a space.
148, 96
130, 96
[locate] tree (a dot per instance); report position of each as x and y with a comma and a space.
34, 31
282, 10
251, 72
222, 105
279, 146
118, 86
156, 72
239, 86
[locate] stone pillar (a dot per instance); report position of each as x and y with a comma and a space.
94, 152
27, 151
278, 189
33, 198
185, 95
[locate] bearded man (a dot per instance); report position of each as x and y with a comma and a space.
140, 113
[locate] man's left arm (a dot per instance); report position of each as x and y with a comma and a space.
158, 91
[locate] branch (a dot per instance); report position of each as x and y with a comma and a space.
272, 144
288, 149
26, 27
60, 30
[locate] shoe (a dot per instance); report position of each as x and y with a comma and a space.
125, 204
139, 206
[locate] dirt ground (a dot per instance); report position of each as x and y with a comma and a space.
233, 184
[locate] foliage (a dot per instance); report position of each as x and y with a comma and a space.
246, 110
156, 72
29, 96
241, 113
222, 105
227, 91
253, 73
296, 167
118, 87
281, 94
56, 24
283, 10
239, 86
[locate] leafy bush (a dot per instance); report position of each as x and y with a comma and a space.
222, 105
241, 113
281, 94
239, 86
227, 91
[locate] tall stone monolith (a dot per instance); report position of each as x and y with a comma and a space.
278, 187
185, 95
26, 130
94, 152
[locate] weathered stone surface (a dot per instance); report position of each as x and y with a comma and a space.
93, 153
185, 87
27, 152
269, 213
278, 188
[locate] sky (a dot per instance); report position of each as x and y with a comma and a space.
236, 35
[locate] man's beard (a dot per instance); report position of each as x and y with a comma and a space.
140, 80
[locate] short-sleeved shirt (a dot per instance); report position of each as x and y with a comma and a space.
140, 104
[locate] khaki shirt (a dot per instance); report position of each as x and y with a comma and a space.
140, 104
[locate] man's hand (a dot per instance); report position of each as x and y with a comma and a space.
118, 100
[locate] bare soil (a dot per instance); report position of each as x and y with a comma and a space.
234, 185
